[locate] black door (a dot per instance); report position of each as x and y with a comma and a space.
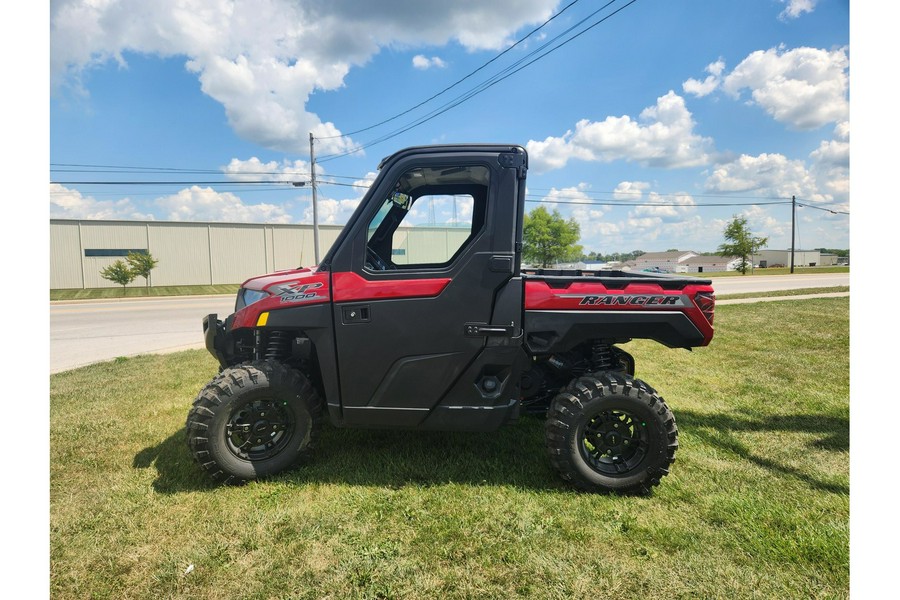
430, 251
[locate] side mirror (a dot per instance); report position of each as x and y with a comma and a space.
402, 200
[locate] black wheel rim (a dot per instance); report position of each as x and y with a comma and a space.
614, 442
259, 430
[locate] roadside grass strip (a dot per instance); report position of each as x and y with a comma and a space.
143, 292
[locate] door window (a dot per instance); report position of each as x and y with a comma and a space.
428, 218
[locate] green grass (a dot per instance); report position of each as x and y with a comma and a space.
757, 505
780, 293
143, 292
778, 271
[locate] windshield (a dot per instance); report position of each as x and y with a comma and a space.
379, 217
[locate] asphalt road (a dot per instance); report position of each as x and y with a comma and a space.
773, 283
86, 332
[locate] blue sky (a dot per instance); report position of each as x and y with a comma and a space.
638, 128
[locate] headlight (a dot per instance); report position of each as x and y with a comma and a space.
247, 297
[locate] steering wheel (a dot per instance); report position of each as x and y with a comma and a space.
375, 262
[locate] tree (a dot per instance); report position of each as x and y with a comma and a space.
141, 263
548, 238
741, 243
118, 272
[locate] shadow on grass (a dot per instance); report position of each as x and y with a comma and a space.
718, 430
512, 456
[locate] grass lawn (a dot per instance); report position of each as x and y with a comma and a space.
757, 505
782, 293
778, 271
143, 292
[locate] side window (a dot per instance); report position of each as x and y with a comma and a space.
428, 218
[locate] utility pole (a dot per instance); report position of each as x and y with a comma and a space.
312, 172
793, 228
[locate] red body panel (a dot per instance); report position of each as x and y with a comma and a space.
350, 287
300, 287
593, 295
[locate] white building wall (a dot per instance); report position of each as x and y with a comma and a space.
210, 253
237, 252
65, 258
802, 258
669, 264
182, 250
109, 235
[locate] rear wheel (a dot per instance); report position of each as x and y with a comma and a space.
611, 432
253, 420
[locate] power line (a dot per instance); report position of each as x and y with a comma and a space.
243, 191
262, 181
87, 168
834, 212
489, 83
530, 198
457, 82
90, 169
657, 204
669, 195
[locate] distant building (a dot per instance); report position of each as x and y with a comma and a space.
708, 264
782, 258
664, 261
192, 253
829, 260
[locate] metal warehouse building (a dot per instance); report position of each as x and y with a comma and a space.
206, 253
802, 258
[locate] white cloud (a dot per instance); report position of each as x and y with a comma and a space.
262, 59
795, 8
772, 174
576, 194
254, 169
842, 131
670, 208
66, 203
826, 178
630, 190
423, 63
708, 85
205, 204
763, 224
338, 212
331, 211
804, 88
554, 153
663, 136
831, 165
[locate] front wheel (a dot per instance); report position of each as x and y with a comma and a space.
252, 421
611, 432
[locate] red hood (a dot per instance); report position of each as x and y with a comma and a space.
263, 282
287, 289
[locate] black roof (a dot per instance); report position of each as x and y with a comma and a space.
445, 148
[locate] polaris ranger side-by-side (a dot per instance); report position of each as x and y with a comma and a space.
401, 327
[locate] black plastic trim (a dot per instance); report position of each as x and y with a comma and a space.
551, 331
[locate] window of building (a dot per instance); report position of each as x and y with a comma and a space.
113, 251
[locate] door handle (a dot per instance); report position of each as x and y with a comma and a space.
482, 329
358, 313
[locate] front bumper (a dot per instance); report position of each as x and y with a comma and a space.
214, 337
